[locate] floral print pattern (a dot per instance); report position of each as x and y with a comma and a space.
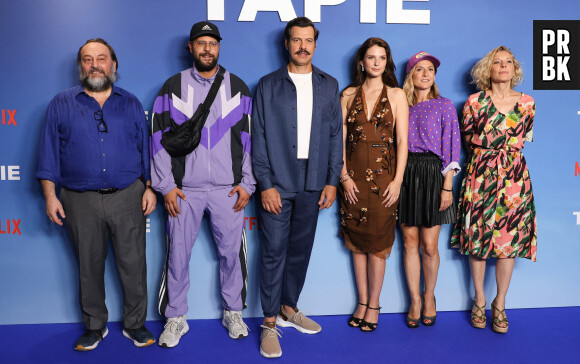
496, 215
370, 161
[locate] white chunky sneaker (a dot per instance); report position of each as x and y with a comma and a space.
173, 330
232, 321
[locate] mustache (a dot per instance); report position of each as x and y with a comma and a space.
207, 54
93, 69
302, 51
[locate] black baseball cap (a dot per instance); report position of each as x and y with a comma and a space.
204, 28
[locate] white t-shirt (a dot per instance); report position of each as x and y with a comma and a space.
305, 100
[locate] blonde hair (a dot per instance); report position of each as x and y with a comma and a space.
409, 89
480, 73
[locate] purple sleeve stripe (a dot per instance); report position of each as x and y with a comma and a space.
246, 103
165, 103
221, 126
162, 104
156, 142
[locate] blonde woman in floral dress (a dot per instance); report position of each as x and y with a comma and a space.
496, 213
375, 129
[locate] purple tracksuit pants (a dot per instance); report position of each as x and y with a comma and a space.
228, 233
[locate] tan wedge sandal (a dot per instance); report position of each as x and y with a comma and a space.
497, 320
478, 319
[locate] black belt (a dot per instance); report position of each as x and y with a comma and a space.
106, 191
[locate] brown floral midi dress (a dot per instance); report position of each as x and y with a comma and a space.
367, 226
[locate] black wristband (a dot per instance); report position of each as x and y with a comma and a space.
444, 189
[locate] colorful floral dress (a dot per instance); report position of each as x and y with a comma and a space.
367, 226
496, 216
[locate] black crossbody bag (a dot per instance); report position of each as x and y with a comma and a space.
180, 140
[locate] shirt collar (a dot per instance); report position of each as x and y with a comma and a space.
81, 90
199, 78
282, 72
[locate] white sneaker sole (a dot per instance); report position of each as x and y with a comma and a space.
270, 356
174, 343
137, 343
283, 323
241, 336
88, 348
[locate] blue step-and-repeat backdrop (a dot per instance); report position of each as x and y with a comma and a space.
39, 40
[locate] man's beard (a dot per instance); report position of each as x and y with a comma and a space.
202, 67
98, 84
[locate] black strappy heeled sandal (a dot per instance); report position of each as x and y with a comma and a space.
414, 323
429, 320
371, 326
356, 321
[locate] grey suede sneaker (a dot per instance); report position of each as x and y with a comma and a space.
269, 344
232, 321
298, 321
173, 330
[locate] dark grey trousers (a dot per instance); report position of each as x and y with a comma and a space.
91, 218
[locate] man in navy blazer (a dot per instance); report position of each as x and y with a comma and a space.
297, 158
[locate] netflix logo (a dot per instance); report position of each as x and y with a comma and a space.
7, 117
252, 223
10, 226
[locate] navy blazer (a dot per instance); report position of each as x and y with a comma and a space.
274, 133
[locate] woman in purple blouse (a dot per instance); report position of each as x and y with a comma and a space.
426, 199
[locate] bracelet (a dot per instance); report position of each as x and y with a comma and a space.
343, 176
147, 186
342, 180
444, 189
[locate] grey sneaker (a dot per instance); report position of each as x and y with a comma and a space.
173, 330
298, 321
90, 339
232, 321
269, 344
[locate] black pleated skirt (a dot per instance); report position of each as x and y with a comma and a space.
421, 193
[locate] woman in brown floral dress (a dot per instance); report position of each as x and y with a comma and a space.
375, 131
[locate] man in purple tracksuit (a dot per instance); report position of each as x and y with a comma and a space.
215, 179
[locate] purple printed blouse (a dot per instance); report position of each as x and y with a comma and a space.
433, 127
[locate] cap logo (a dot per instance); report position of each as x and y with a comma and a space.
207, 27
421, 55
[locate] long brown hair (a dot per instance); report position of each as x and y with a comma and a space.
359, 77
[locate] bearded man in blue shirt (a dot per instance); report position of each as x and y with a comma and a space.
95, 145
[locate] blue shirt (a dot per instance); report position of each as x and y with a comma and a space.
76, 155
274, 133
